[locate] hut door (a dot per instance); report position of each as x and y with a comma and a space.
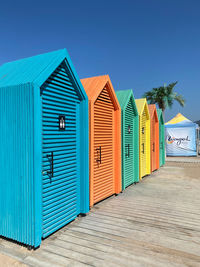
143, 145
153, 144
161, 139
128, 146
103, 183
60, 173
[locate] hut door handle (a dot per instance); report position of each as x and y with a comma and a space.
161, 145
51, 172
153, 147
143, 148
99, 150
128, 154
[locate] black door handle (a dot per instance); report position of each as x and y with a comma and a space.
161, 145
99, 159
143, 148
128, 153
153, 147
51, 172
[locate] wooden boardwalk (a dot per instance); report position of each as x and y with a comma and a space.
153, 223
183, 159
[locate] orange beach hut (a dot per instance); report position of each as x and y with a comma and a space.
105, 138
154, 136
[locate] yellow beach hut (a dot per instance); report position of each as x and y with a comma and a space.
144, 137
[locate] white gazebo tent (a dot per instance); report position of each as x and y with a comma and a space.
181, 137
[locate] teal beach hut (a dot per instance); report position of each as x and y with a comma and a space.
44, 147
161, 137
129, 137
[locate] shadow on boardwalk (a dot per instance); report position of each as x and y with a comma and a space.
153, 223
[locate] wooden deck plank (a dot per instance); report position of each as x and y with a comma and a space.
153, 223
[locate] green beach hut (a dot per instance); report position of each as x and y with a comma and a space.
161, 136
129, 137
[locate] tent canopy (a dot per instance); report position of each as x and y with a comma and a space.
180, 121
180, 135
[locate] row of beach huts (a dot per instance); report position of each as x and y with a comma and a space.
67, 144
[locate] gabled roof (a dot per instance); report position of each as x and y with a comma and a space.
153, 111
36, 69
178, 118
124, 97
180, 121
160, 115
141, 105
94, 85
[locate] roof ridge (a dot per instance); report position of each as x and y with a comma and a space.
37, 55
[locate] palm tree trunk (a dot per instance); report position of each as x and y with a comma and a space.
163, 111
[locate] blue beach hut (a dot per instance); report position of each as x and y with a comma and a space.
44, 171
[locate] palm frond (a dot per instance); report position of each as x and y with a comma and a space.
164, 96
180, 99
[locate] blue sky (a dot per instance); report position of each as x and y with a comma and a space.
141, 44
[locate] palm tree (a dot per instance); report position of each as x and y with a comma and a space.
164, 96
